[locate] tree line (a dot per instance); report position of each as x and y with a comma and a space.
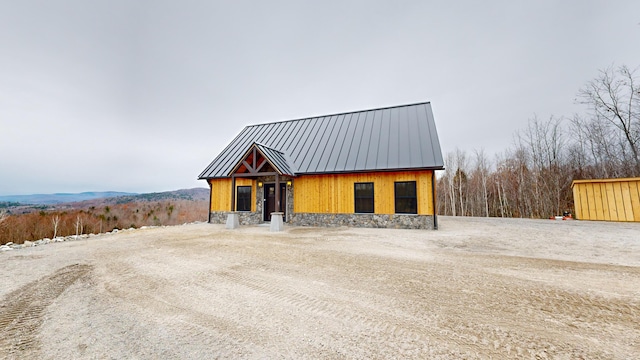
49, 224
533, 177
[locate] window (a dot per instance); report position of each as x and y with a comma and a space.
406, 199
243, 198
363, 197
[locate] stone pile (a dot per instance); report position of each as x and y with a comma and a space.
11, 246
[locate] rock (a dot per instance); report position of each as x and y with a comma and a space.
5, 248
114, 231
9, 243
28, 244
38, 243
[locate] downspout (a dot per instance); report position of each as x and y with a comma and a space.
210, 195
233, 192
433, 199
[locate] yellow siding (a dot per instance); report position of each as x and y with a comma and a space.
333, 194
591, 201
221, 193
634, 191
618, 208
626, 201
609, 199
598, 209
605, 202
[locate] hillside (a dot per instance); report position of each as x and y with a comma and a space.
33, 222
23, 204
59, 198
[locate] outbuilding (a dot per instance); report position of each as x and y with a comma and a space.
607, 199
370, 168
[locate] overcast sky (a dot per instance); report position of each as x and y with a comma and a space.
140, 96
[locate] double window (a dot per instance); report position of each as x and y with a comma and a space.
243, 198
363, 197
406, 198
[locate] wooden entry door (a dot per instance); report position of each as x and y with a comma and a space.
270, 200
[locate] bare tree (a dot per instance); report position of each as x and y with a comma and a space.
449, 177
481, 173
460, 180
55, 221
78, 225
614, 97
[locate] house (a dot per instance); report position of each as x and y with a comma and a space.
370, 168
607, 199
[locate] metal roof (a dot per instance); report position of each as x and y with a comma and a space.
277, 159
392, 138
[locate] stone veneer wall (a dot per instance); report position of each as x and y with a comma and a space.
245, 218
404, 221
252, 218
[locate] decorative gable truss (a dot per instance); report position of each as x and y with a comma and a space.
260, 160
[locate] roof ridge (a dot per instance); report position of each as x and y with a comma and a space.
268, 147
340, 113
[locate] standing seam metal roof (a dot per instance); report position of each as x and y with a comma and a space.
393, 138
277, 159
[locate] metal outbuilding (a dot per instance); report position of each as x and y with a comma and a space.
607, 199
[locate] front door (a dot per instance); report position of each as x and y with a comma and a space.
270, 200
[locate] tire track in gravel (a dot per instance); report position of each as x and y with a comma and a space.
21, 312
385, 335
223, 336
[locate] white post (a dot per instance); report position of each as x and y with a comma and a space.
276, 221
233, 221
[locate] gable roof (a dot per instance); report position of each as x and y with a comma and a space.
392, 138
275, 158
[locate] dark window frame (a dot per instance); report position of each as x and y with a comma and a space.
405, 202
243, 201
359, 199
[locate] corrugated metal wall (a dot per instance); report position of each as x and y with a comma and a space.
607, 199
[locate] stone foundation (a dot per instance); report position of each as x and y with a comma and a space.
395, 221
245, 218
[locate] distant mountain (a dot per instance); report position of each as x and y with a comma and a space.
24, 204
195, 194
59, 198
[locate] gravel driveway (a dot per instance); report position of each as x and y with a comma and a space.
476, 288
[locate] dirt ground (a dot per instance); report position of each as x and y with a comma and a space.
476, 288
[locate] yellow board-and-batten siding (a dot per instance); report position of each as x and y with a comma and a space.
334, 193
221, 193
607, 199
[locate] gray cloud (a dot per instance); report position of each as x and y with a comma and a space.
141, 95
